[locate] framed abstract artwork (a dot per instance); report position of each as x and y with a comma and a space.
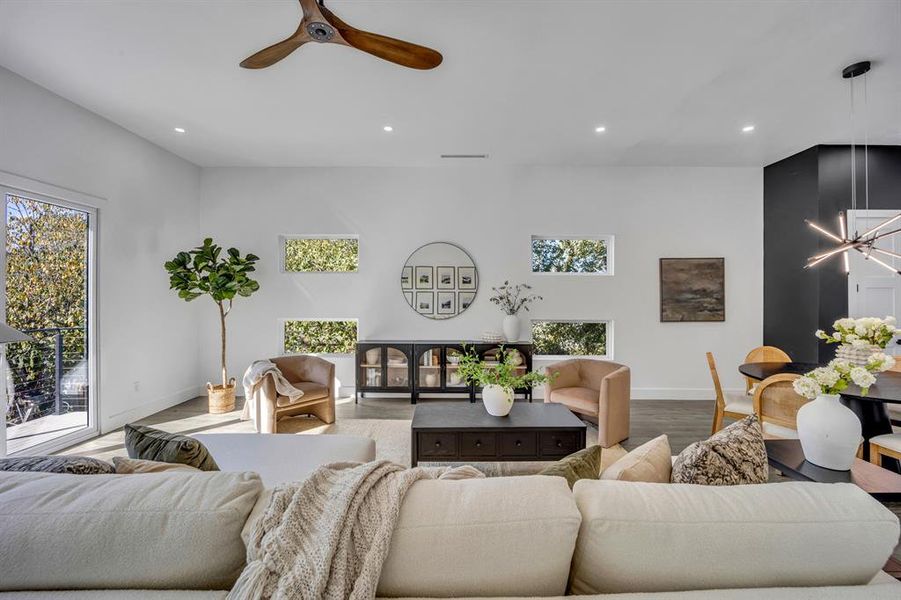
424, 278
466, 277
406, 278
446, 278
425, 303
692, 289
447, 303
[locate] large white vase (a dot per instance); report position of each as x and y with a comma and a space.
829, 433
498, 400
511, 328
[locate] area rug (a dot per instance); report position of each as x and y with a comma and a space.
392, 442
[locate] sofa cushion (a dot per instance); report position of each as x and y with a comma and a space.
482, 537
734, 455
73, 465
649, 537
154, 531
650, 462
147, 443
584, 464
283, 458
126, 466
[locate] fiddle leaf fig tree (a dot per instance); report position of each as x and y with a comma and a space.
204, 271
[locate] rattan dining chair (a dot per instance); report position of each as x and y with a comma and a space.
731, 405
776, 404
763, 354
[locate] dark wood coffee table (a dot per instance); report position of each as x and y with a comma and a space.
786, 456
460, 431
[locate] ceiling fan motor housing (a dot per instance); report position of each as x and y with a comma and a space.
320, 32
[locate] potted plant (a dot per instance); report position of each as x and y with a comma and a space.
859, 338
828, 430
204, 271
497, 380
512, 299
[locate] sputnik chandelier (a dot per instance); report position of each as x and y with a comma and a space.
865, 242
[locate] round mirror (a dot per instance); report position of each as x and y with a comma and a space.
439, 280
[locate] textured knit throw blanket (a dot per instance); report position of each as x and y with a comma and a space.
253, 377
327, 536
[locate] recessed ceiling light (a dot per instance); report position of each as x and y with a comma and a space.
388, 128
180, 130
747, 129
600, 129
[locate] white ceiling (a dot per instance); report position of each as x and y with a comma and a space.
525, 81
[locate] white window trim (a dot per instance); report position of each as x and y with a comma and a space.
608, 240
284, 351
608, 356
284, 238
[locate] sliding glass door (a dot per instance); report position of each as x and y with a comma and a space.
50, 381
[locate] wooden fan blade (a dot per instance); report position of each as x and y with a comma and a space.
399, 52
274, 53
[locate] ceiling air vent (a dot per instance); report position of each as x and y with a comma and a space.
464, 156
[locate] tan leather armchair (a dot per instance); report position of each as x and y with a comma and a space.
314, 376
597, 390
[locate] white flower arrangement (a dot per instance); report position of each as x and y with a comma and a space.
866, 331
838, 374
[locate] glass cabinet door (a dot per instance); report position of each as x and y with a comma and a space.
515, 356
452, 360
398, 368
429, 368
371, 367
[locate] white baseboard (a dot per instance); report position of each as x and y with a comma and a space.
117, 420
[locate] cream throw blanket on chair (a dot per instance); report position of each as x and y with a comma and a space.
328, 536
253, 377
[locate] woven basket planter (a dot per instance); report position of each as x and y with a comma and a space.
856, 355
222, 398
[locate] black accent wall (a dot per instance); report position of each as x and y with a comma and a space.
814, 184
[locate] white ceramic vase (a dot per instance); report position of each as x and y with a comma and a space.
511, 328
829, 433
498, 400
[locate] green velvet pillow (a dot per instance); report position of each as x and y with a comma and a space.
584, 464
147, 443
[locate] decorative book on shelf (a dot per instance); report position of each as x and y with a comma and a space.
417, 367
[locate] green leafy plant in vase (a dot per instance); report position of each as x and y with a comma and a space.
497, 379
205, 271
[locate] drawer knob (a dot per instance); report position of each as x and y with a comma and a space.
438, 444
478, 443
518, 443
559, 444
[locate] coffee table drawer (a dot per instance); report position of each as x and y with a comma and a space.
519, 444
558, 443
437, 445
478, 444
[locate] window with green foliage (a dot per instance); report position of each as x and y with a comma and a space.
322, 254
570, 338
572, 255
320, 337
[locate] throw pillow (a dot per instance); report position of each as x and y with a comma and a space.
127, 466
148, 443
584, 464
651, 462
72, 465
735, 455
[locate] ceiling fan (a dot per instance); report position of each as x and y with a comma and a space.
321, 25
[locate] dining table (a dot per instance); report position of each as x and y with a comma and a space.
870, 408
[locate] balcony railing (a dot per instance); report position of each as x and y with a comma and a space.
47, 376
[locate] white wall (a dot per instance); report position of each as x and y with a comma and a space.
492, 212
150, 211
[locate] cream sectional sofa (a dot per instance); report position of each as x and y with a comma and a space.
179, 535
